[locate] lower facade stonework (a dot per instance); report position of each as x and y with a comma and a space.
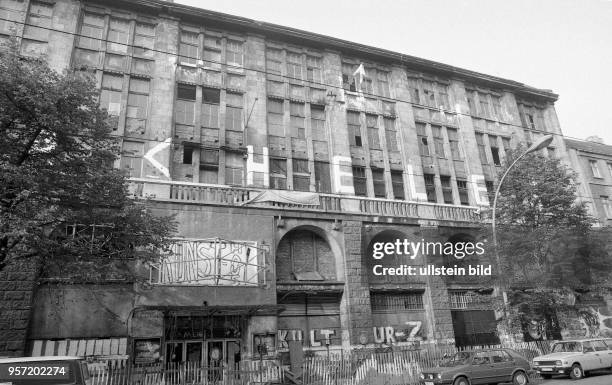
305, 279
17, 285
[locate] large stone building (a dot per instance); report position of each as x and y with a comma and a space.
286, 156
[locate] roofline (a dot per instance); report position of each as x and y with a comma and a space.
310, 38
598, 148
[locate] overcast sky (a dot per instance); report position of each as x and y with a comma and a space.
563, 45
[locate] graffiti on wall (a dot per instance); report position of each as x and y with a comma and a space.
595, 322
213, 262
315, 337
541, 328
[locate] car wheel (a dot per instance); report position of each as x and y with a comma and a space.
577, 372
520, 378
546, 376
461, 381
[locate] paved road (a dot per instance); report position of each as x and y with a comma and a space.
597, 378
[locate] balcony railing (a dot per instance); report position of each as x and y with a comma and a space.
175, 191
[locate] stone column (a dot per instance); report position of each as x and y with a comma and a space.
356, 300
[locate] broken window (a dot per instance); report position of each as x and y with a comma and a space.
430, 187
354, 128
359, 181
373, 135
397, 180
137, 106
301, 175
378, 179
278, 173
447, 189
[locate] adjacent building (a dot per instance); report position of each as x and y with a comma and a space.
286, 156
592, 161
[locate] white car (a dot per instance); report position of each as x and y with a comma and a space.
576, 358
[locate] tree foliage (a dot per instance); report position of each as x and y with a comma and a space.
61, 200
549, 249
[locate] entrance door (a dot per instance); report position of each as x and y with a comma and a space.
215, 360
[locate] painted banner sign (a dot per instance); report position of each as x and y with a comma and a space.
211, 262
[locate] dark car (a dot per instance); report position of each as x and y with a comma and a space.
473, 367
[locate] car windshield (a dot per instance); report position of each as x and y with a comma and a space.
460, 358
567, 347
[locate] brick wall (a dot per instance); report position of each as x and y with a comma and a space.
17, 284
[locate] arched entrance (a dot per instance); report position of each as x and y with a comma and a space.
307, 288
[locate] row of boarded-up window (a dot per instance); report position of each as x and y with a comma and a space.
210, 111
373, 78
378, 182
298, 66
438, 141
486, 105
111, 97
210, 51
447, 189
493, 146
428, 93
91, 42
301, 175
297, 120
372, 130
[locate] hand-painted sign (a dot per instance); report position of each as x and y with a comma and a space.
316, 337
388, 334
212, 262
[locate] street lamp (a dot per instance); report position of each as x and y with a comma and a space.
541, 143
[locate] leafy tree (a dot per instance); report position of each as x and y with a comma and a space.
549, 250
61, 201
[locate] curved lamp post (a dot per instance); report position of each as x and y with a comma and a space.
541, 143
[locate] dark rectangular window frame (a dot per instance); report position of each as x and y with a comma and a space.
397, 182
464, 197
430, 187
378, 180
360, 181
447, 189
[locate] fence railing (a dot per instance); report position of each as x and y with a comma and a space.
394, 368
122, 372
332, 203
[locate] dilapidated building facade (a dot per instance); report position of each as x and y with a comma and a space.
286, 156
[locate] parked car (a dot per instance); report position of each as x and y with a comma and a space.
485, 366
575, 358
60, 370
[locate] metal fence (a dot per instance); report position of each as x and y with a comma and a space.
121, 372
358, 367
393, 368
